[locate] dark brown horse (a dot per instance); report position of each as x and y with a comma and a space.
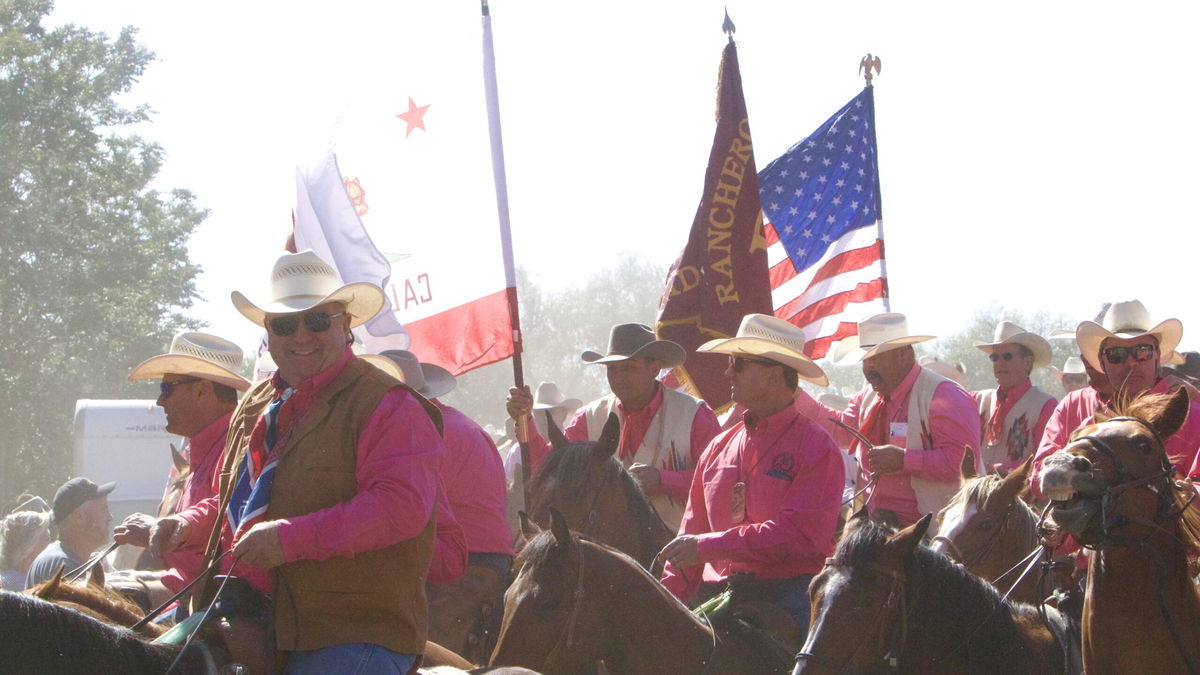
1112, 489
884, 603
576, 604
591, 487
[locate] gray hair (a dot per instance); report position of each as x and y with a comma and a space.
18, 535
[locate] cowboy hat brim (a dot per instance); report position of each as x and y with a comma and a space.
849, 352
570, 403
1031, 341
758, 347
438, 380
666, 351
182, 364
361, 300
1090, 335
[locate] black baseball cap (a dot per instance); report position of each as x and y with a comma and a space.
74, 493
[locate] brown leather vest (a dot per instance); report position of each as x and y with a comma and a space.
377, 596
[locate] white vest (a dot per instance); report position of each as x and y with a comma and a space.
931, 495
667, 444
1017, 440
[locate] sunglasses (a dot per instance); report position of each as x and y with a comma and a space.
315, 322
1007, 356
738, 363
1141, 353
165, 388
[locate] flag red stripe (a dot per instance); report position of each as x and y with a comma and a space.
465, 337
770, 235
854, 259
819, 347
832, 304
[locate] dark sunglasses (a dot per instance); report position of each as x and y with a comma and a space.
738, 363
315, 322
165, 388
1007, 356
1117, 355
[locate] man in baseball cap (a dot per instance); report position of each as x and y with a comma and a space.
80, 511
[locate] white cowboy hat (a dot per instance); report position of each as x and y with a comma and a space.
301, 281
427, 379
548, 397
197, 355
1072, 366
773, 339
955, 371
636, 341
1124, 320
876, 334
1009, 333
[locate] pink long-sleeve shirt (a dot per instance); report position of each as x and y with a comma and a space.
204, 459
793, 475
635, 424
397, 456
953, 424
472, 474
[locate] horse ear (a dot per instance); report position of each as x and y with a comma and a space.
529, 529
96, 576
49, 588
906, 541
557, 440
1173, 414
966, 468
558, 526
610, 437
1016, 480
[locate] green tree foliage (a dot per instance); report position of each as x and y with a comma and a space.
557, 327
93, 261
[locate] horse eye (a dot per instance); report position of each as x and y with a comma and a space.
1143, 447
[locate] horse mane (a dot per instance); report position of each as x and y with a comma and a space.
106, 603
568, 467
979, 490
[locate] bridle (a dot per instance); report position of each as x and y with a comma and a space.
890, 644
566, 639
996, 536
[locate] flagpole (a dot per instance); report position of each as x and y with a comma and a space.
492, 94
865, 66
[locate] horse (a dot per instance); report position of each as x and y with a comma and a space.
886, 603
988, 528
1111, 489
585, 482
95, 599
42, 637
577, 603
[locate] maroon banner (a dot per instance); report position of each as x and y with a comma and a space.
722, 273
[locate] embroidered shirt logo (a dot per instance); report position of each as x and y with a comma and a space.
783, 467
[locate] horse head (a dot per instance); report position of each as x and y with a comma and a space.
1114, 479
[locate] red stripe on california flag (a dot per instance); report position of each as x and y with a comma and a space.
819, 347
466, 337
832, 304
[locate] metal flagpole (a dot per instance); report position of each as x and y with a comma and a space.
865, 66
492, 95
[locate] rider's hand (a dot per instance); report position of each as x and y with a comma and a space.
682, 551
648, 477
134, 530
520, 403
886, 458
260, 546
168, 534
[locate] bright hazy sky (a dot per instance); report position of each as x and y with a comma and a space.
1032, 154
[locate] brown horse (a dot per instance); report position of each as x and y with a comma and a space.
884, 603
576, 604
1111, 489
591, 487
94, 599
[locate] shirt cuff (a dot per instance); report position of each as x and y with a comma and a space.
914, 461
711, 545
294, 542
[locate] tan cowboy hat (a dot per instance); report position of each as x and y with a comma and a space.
1124, 320
636, 341
427, 379
1009, 333
876, 334
548, 397
197, 355
950, 371
770, 338
1072, 366
301, 281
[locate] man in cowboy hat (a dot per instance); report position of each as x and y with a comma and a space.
766, 493
80, 513
1072, 376
663, 431
1014, 414
472, 478
917, 421
1127, 348
329, 483
198, 390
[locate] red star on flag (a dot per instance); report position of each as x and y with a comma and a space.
415, 117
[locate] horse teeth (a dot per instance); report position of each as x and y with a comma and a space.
1060, 494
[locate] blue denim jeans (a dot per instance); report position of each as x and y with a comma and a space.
352, 659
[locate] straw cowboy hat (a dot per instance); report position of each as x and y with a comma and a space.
1009, 333
636, 341
427, 379
955, 371
876, 334
1073, 366
548, 397
301, 281
197, 355
770, 338
1124, 320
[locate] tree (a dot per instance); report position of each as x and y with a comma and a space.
93, 262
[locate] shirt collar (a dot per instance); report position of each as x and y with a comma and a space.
1016, 392
771, 423
650, 408
201, 443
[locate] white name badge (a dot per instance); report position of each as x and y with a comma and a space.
899, 429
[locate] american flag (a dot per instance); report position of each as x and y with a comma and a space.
825, 230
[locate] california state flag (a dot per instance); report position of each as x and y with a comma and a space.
405, 197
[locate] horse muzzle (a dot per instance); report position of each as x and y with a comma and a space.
1065, 476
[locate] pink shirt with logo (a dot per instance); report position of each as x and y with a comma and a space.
791, 475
